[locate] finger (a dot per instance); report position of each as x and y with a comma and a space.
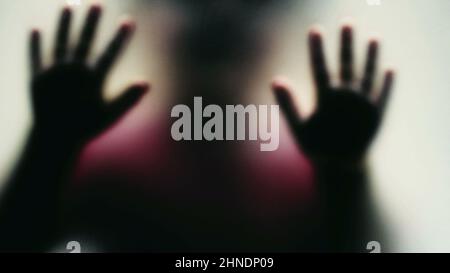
319, 67
88, 33
346, 55
284, 99
370, 69
35, 52
126, 101
386, 90
115, 47
63, 35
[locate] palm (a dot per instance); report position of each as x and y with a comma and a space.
62, 90
345, 120
343, 126
67, 97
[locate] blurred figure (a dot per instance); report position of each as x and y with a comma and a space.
150, 193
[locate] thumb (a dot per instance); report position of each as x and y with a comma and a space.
126, 101
284, 99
